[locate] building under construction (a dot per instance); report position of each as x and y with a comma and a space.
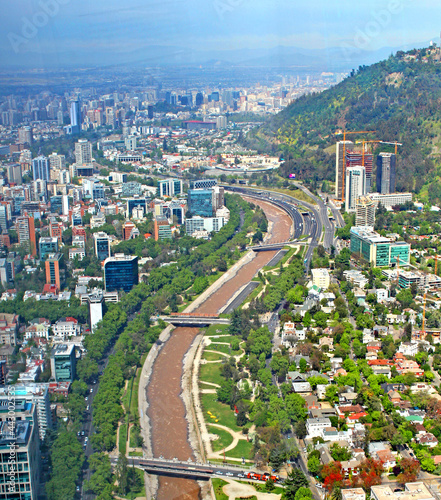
354, 157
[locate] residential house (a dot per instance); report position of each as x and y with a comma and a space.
38, 327
427, 439
353, 494
409, 366
408, 348
315, 426
394, 397
387, 457
368, 336
302, 388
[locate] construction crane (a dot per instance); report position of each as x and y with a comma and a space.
396, 144
345, 133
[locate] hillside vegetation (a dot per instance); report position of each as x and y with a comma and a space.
398, 98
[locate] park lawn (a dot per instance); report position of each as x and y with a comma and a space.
218, 484
213, 356
225, 438
261, 488
243, 449
136, 454
134, 398
211, 373
223, 348
216, 330
222, 412
227, 339
132, 438
122, 444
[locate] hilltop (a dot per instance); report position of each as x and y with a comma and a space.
399, 98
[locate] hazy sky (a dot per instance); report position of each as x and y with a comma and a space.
34, 31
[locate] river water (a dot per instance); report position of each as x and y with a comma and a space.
169, 427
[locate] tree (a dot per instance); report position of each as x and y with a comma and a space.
122, 473
303, 493
409, 470
314, 465
296, 479
340, 453
102, 475
332, 475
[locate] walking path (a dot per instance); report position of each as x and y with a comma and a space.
235, 490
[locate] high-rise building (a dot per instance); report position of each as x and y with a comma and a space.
150, 112
83, 152
19, 434
15, 174
204, 184
102, 245
56, 161
200, 202
41, 169
355, 186
56, 230
218, 197
63, 363
47, 245
95, 309
136, 202
25, 135
94, 189
199, 99
386, 173
169, 188
365, 211
56, 203
162, 228
4, 218
342, 146
121, 272
26, 232
130, 143
75, 117
52, 266
358, 159
36, 394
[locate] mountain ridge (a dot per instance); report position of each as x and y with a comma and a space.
398, 97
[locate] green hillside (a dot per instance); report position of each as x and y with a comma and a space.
399, 98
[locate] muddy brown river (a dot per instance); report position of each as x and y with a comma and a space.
169, 428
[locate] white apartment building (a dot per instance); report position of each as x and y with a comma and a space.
321, 278
315, 426
66, 327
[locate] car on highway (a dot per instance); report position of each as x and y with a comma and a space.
229, 474
219, 472
91, 389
